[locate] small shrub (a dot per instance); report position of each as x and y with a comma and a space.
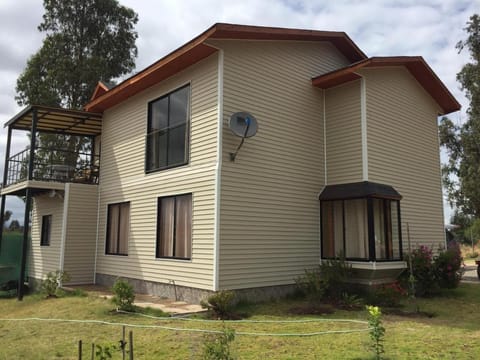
312, 285
377, 331
387, 295
218, 346
123, 295
104, 352
329, 280
448, 266
351, 301
423, 272
220, 305
51, 285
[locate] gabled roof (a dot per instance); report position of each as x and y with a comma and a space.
196, 50
415, 64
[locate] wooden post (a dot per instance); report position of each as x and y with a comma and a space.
130, 344
79, 349
123, 343
93, 351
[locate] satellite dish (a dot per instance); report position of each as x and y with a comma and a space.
244, 125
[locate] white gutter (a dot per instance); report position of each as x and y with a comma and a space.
218, 170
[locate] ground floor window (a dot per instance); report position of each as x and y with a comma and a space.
46, 230
118, 229
365, 229
174, 227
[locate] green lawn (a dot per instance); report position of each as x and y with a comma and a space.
454, 333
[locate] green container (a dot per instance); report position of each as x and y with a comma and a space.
10, 256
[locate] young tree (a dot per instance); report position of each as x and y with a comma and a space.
462, 142
6, 216
86, 41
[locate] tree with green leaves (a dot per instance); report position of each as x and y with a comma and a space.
86, 41
461, 174
6, 216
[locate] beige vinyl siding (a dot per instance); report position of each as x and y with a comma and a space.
343, 134
403, 150
44, 259
269, 208
122, 178
81, 229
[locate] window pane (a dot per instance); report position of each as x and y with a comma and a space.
381, 245
118, 229
183, 226
179, 107
112, 230
46, 230
166, 226
176, 145
159, 115
356, 229
332, 232
395, 230
124, 228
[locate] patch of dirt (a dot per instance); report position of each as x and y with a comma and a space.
409, 314
311, 309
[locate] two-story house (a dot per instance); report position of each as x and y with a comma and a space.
346, 156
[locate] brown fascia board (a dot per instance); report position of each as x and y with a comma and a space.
196, 50
416, 65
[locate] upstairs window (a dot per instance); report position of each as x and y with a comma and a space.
46, 230
364, 225
167, 131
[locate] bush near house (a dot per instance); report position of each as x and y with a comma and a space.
431, 273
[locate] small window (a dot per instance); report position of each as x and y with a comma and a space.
167, 131
118, 229
46, 230
174, 228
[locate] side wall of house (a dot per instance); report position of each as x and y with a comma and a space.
81, 229
123, 178
343, 134
269, 222
44, 259
403, 150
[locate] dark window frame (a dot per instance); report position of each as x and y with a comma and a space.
149, 170
46, 230
107, 239
370, 226
158, 241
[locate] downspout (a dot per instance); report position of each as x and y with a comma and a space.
325, 171
218, 173
64, 226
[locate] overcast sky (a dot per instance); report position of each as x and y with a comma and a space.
429, 28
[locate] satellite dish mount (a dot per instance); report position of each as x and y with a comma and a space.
244, 125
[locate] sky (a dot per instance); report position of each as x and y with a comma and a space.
430, 28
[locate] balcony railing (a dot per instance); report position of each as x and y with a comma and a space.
54, 165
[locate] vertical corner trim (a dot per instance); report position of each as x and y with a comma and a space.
218, 171
363, 117
325, 137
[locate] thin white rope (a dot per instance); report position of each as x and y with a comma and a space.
102, 322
